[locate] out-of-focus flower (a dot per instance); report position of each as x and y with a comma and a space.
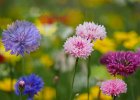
63, 63
84, 96
48, 93
47, 61
21, 37
2, 59
113, 20
51, 19
73, 17
7, 56
46, 29
128, 39
78, 47
47, 19
5, 84
94, 91
121, 36
90, 30
121, 62
33, 84
114, 87
105, 45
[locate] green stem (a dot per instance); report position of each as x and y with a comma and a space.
99, 93
20, 96
132, 87
23, 64
114, 97
75, 69
11, 79
88, 75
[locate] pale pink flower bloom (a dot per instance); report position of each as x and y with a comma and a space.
78, 47
114, 87
90, 30
21, 83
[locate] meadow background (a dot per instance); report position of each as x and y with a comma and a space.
56, 21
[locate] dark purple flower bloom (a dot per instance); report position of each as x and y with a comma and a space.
121, 63
32, 85
21, 37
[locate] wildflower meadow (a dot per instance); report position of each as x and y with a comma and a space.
69, 50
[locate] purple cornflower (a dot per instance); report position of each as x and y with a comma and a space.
121, 63
21, 37
29, 85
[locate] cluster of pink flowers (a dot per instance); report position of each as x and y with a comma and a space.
122, 63
114, 87
81, 46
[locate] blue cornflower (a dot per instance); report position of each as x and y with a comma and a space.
21, 37
32, 85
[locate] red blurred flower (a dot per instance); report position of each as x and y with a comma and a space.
2, 59
50, 19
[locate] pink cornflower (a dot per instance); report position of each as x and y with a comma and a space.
90, 30
114, 87
78, 47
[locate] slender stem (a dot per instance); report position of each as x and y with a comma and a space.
75, 69
20, 96
88, 75
23, 64
132, 87
11, 79
99, 93
56, 83
114, 97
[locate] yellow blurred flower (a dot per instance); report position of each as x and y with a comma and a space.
46, 29
48, 93
5, 84
84, 96
47, 61
94, 91
130, 44
113, 20
7, 55
105, 45
74, 17
121, 36
128, 39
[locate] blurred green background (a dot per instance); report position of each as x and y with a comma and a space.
56, 21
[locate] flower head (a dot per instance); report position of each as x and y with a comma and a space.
114, 87
78, 47
90, 30
21, 37
32, 85
21, 84
121, 63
